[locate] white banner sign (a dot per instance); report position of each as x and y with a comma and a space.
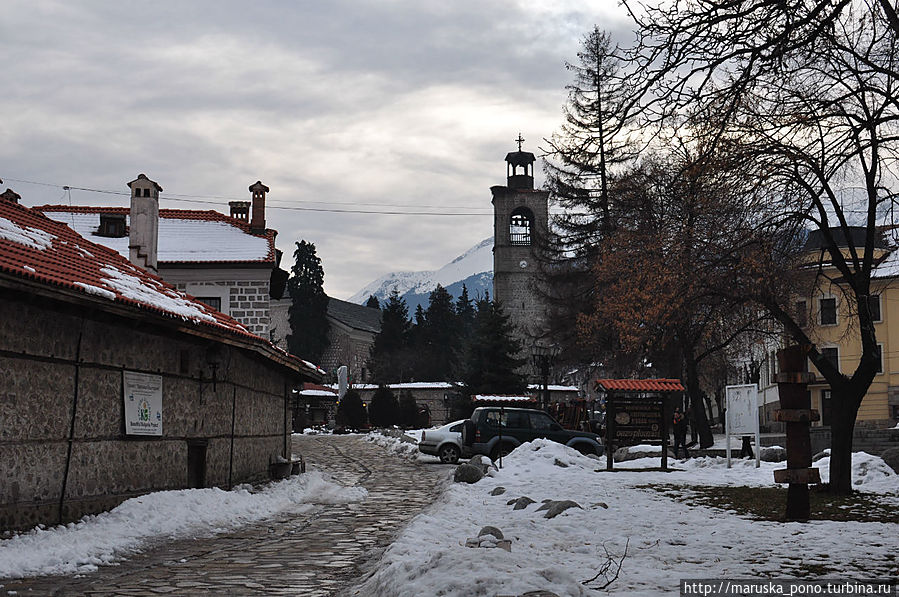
143, 403
742, 417
742, 409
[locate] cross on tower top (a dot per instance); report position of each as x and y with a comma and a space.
520, 140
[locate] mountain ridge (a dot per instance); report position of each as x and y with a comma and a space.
473, 268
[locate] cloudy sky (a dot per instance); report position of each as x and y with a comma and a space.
344, 106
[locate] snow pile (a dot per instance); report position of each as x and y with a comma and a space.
30, 237
869, 473
404, 449
666, 540
133, 288
137, 522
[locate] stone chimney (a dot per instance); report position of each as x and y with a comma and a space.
240, 210
257, 224
143, 237
10, 195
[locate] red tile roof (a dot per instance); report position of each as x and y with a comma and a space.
640, 385
195, 215
35, 248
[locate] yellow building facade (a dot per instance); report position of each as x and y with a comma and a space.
833, 327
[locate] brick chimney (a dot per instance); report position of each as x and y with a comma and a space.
240, 210
257, 224
143, 237
10, 195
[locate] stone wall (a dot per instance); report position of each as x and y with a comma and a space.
872, 441
243, 294
61, 373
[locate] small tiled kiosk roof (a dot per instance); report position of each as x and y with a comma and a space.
46, 254
185, 235
656, 386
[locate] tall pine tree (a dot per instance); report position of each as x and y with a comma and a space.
491, 365
390, 358
308, 312
439, 335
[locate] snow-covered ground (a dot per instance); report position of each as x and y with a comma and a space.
666, 540
139, 522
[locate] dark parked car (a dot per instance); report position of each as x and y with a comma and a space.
493, 431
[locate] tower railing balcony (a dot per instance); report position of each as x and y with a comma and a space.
520, 239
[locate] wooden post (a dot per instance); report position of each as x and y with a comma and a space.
610, 420
796, 413
664, 426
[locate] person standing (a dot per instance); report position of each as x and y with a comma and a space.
679, 424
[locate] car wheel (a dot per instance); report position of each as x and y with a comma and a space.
585, 449
449, 454
501, 450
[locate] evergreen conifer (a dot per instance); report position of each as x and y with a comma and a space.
308, 311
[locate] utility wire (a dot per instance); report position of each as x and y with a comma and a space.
202, 199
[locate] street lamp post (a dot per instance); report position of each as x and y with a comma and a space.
543, 357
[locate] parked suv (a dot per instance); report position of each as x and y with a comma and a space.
492, 431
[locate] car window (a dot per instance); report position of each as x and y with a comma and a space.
492, 418
511, 420
541, 422
456, 427
517, 420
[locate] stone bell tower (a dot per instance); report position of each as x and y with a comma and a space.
520, 222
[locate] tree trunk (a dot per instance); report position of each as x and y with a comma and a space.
845, 411
697, 410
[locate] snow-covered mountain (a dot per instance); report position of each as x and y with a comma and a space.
474, 269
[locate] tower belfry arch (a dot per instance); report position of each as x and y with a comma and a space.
520, 220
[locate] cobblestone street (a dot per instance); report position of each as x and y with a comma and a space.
313, 554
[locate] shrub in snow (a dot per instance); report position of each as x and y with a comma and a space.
351, 411
384, 408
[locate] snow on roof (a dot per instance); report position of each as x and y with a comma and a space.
501, 398
888, 268
311, 389
552, 388
30, 237
185, 235
37, 248
416, 385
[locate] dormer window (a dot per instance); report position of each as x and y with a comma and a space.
112, 226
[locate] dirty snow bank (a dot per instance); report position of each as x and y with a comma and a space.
137, 522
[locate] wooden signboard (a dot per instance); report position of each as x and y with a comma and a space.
632, 420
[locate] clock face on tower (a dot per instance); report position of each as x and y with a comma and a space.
522, 264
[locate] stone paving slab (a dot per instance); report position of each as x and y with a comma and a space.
315, 554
